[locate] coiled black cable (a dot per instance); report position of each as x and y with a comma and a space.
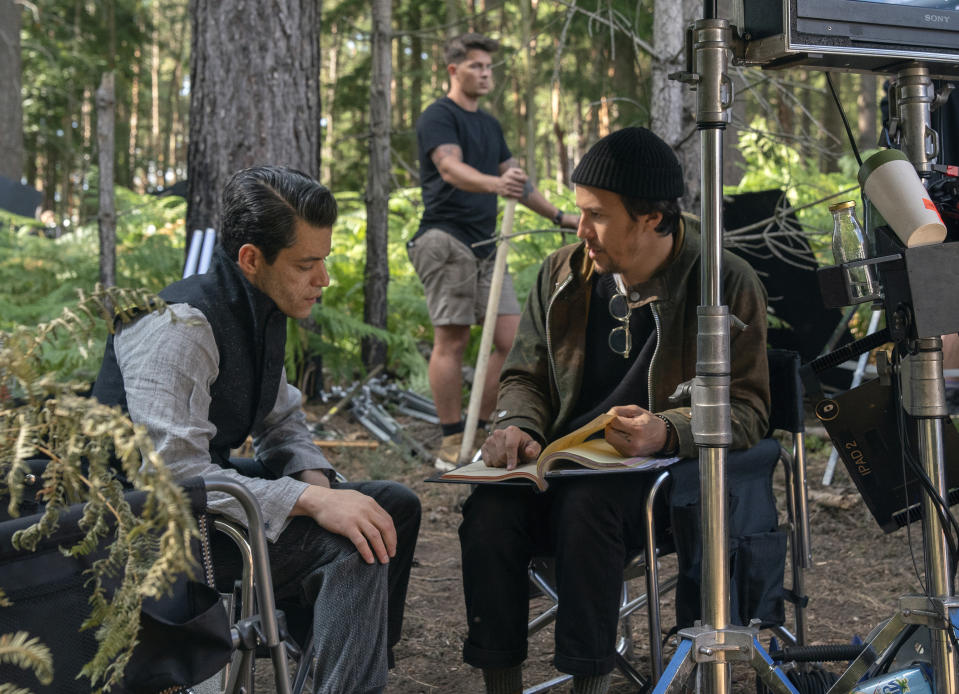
826, 653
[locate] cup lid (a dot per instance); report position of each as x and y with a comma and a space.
883, 156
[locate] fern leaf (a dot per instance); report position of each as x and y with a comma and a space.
26, 652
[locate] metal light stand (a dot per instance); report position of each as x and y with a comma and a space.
923, 395
714, 644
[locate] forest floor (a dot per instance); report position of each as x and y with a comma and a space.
857, 571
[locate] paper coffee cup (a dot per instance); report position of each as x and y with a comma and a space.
892, 185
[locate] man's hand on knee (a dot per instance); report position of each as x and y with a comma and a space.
509, 447
353, 515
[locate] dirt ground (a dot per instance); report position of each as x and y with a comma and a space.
858, 572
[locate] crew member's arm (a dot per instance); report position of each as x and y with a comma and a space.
538, 203
448, 159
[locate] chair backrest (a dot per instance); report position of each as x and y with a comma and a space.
786, 391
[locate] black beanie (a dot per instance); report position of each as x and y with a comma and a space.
632, 162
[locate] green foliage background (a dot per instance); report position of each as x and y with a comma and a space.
40, 275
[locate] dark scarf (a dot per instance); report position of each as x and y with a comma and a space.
609, 379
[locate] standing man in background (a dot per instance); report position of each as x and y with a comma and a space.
464, 165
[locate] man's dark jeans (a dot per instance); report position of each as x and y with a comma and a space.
591, 524
291, 558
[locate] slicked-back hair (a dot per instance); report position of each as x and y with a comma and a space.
458, 47
261, 205
668, 225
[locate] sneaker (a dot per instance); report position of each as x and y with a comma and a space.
447, 458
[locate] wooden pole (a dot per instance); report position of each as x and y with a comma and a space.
486, 340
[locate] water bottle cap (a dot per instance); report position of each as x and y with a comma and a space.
842, 205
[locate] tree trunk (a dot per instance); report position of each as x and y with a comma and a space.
556, 104
254, 98
107, 217
49, 173
688, 147
868, 112
172, 131
666, 102
398, 88
66, 192
155, 148
416, 69
734, 164
453, 16
807, 98
832, 126
332, 67
377, 274
11, 104
529, 88
131, 172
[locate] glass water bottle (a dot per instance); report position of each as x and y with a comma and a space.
848, 244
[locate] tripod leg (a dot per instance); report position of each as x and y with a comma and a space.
770, 675
678, 669
879, 643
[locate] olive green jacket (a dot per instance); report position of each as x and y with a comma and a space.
542, 375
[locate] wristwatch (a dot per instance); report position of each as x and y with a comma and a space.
558, 217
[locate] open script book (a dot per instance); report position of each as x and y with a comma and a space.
572, 454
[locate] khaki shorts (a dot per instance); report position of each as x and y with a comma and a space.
455, 281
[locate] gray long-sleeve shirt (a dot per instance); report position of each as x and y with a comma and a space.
168, 367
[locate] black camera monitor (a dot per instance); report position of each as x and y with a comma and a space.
852, 35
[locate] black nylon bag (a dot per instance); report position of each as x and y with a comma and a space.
184, 638
757, 549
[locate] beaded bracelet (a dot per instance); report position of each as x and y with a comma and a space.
672, 442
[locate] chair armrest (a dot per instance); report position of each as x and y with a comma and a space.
263, 579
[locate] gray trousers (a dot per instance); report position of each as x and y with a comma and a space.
320, 580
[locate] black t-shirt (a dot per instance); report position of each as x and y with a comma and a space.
470, 217
609, 379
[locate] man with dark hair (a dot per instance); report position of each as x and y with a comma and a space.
610, 326
464, 165
208, 372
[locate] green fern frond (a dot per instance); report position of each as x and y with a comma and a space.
85, 441
27, 653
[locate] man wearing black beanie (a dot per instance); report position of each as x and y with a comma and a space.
609, 327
